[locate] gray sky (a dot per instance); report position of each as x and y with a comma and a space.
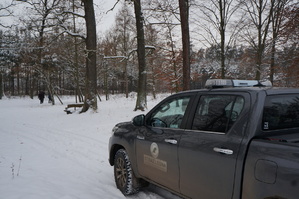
104, 20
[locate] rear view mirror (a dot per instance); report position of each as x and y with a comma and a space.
139, 120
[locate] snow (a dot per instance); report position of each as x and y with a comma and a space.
45, 153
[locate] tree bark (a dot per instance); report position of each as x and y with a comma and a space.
184, 14
260, 12
222, 36
76, 58
1, 86
141, 103
276, 20
91, 43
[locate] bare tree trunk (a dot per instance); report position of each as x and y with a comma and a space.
125, 49
77, 93
276, 20
173, 61
91, 43
260, 47
32, 83
218, 16
222, 36
126, 78
1, 86
184, 14
141, 103
260, 12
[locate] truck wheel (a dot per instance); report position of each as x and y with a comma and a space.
124, 177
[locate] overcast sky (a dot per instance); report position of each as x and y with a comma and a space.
104, 19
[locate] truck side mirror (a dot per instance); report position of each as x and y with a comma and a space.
139, 120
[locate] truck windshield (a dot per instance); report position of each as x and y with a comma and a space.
280, 112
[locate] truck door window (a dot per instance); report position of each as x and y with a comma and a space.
280, 112
217, 112
169, 114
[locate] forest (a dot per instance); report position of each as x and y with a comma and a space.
48, 49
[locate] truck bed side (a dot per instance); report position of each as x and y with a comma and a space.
272, 168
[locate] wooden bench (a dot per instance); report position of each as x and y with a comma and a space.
79, 105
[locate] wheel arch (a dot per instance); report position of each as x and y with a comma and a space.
113, 151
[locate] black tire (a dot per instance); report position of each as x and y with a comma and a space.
125, 179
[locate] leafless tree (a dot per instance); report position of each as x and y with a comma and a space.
155, 58
42, 19
259, 14
141, 102
91, 44
90, 39
118, 47
184, 15
125, 30
78, 93
217, 20
277, 18
6, 10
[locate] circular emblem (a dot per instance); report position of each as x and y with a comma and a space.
154, 150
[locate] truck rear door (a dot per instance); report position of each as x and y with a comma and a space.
208, 150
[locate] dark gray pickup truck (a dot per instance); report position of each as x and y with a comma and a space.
239, 141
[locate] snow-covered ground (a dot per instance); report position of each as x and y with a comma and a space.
45, 153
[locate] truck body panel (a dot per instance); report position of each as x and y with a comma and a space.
252, 153
271, 170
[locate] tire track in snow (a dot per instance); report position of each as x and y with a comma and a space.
50, 140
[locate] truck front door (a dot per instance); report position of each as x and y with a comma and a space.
157, 142
209, 149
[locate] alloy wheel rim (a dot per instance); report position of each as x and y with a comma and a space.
121, 173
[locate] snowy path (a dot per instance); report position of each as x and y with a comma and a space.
45, 153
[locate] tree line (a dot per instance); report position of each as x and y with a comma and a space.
154, 46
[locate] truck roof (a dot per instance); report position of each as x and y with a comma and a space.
268, 90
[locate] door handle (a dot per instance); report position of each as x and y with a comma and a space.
223, 151
171, 141
140, 137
